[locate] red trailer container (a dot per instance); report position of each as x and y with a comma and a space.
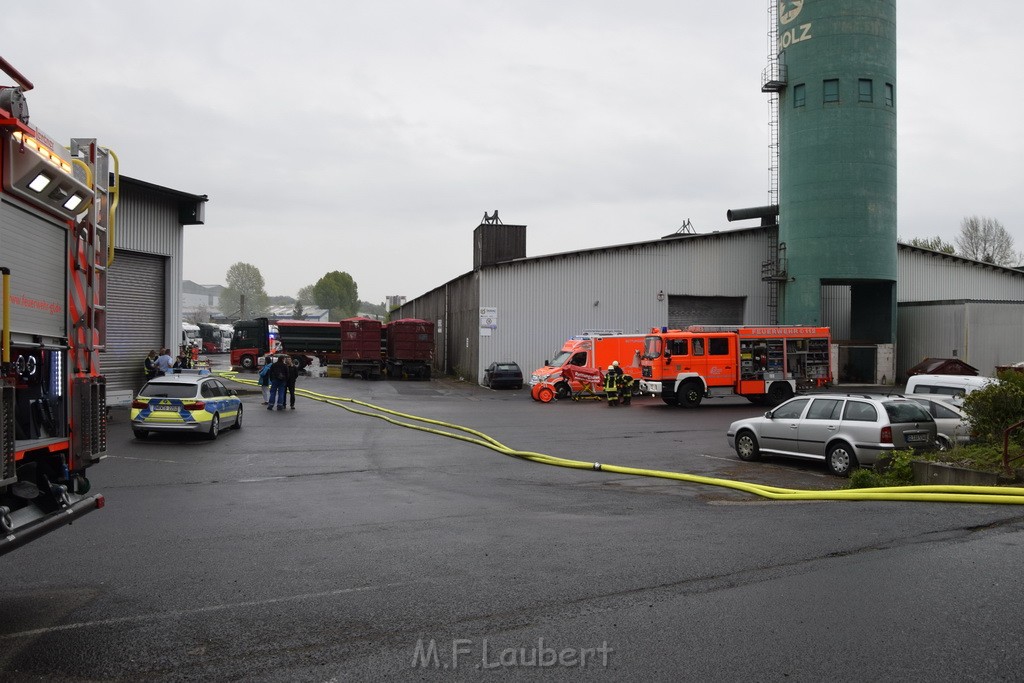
410, 348
361, 348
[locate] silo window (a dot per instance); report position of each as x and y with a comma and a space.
865, 92
888, 95
830, 89
799, 95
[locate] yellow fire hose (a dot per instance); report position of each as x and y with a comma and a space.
935, 494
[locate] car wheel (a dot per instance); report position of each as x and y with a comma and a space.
562, 389
746, 446
140, 433
238, 418
779, 392
690, 394
519, 385
841, 460
943, 443
214, 427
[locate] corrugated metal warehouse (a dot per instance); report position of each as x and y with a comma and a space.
523, 309
144, 280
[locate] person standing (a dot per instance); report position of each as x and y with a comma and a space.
611, 386
278, 382
150, 365
293, 376
264, 377
164, 362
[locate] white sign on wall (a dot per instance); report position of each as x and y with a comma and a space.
488, 320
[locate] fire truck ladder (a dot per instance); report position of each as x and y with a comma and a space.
91, 255
92, 242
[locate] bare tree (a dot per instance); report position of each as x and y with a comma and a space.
934, 243
985, 239
197, 314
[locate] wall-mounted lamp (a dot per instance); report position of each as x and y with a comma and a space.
661, 295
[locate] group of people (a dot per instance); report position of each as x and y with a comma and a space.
618, 386
277, 377
158, 365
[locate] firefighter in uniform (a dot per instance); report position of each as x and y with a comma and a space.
624, 383
611, 386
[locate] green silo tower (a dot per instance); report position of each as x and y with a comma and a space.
837, 160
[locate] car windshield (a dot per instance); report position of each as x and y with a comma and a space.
652, 347
906, 411
560, 359
168, 390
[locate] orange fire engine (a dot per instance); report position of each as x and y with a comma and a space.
765, 364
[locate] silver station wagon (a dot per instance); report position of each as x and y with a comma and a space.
844, 430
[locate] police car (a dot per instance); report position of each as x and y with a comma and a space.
186, 402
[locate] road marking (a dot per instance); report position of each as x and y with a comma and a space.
198, 610
128, 457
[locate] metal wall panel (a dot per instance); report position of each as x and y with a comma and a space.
136, 315
35, 249
980, 333
835, 310
148, 222
543, 301
929, 276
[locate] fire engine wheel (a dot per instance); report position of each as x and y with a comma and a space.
545, 394
238, 419
778, 393
214, 427
690, 394
248, 362
563, 390
747, 448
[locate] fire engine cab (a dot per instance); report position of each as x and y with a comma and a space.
56, 211
765, 364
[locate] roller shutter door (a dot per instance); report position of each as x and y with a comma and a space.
135, 317
684, 311
35, 249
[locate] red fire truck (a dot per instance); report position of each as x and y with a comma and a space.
56, 209
765, 364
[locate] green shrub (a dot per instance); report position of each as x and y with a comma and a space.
992, 409
892, 470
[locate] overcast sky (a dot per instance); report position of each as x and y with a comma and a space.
371, 137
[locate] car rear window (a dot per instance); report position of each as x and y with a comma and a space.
859, 411
168, 390
906, 411
508, 367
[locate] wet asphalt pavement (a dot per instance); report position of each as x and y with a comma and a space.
322, 544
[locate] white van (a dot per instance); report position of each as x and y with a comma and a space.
956, 386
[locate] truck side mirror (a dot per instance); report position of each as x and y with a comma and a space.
547, 362
668, 355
